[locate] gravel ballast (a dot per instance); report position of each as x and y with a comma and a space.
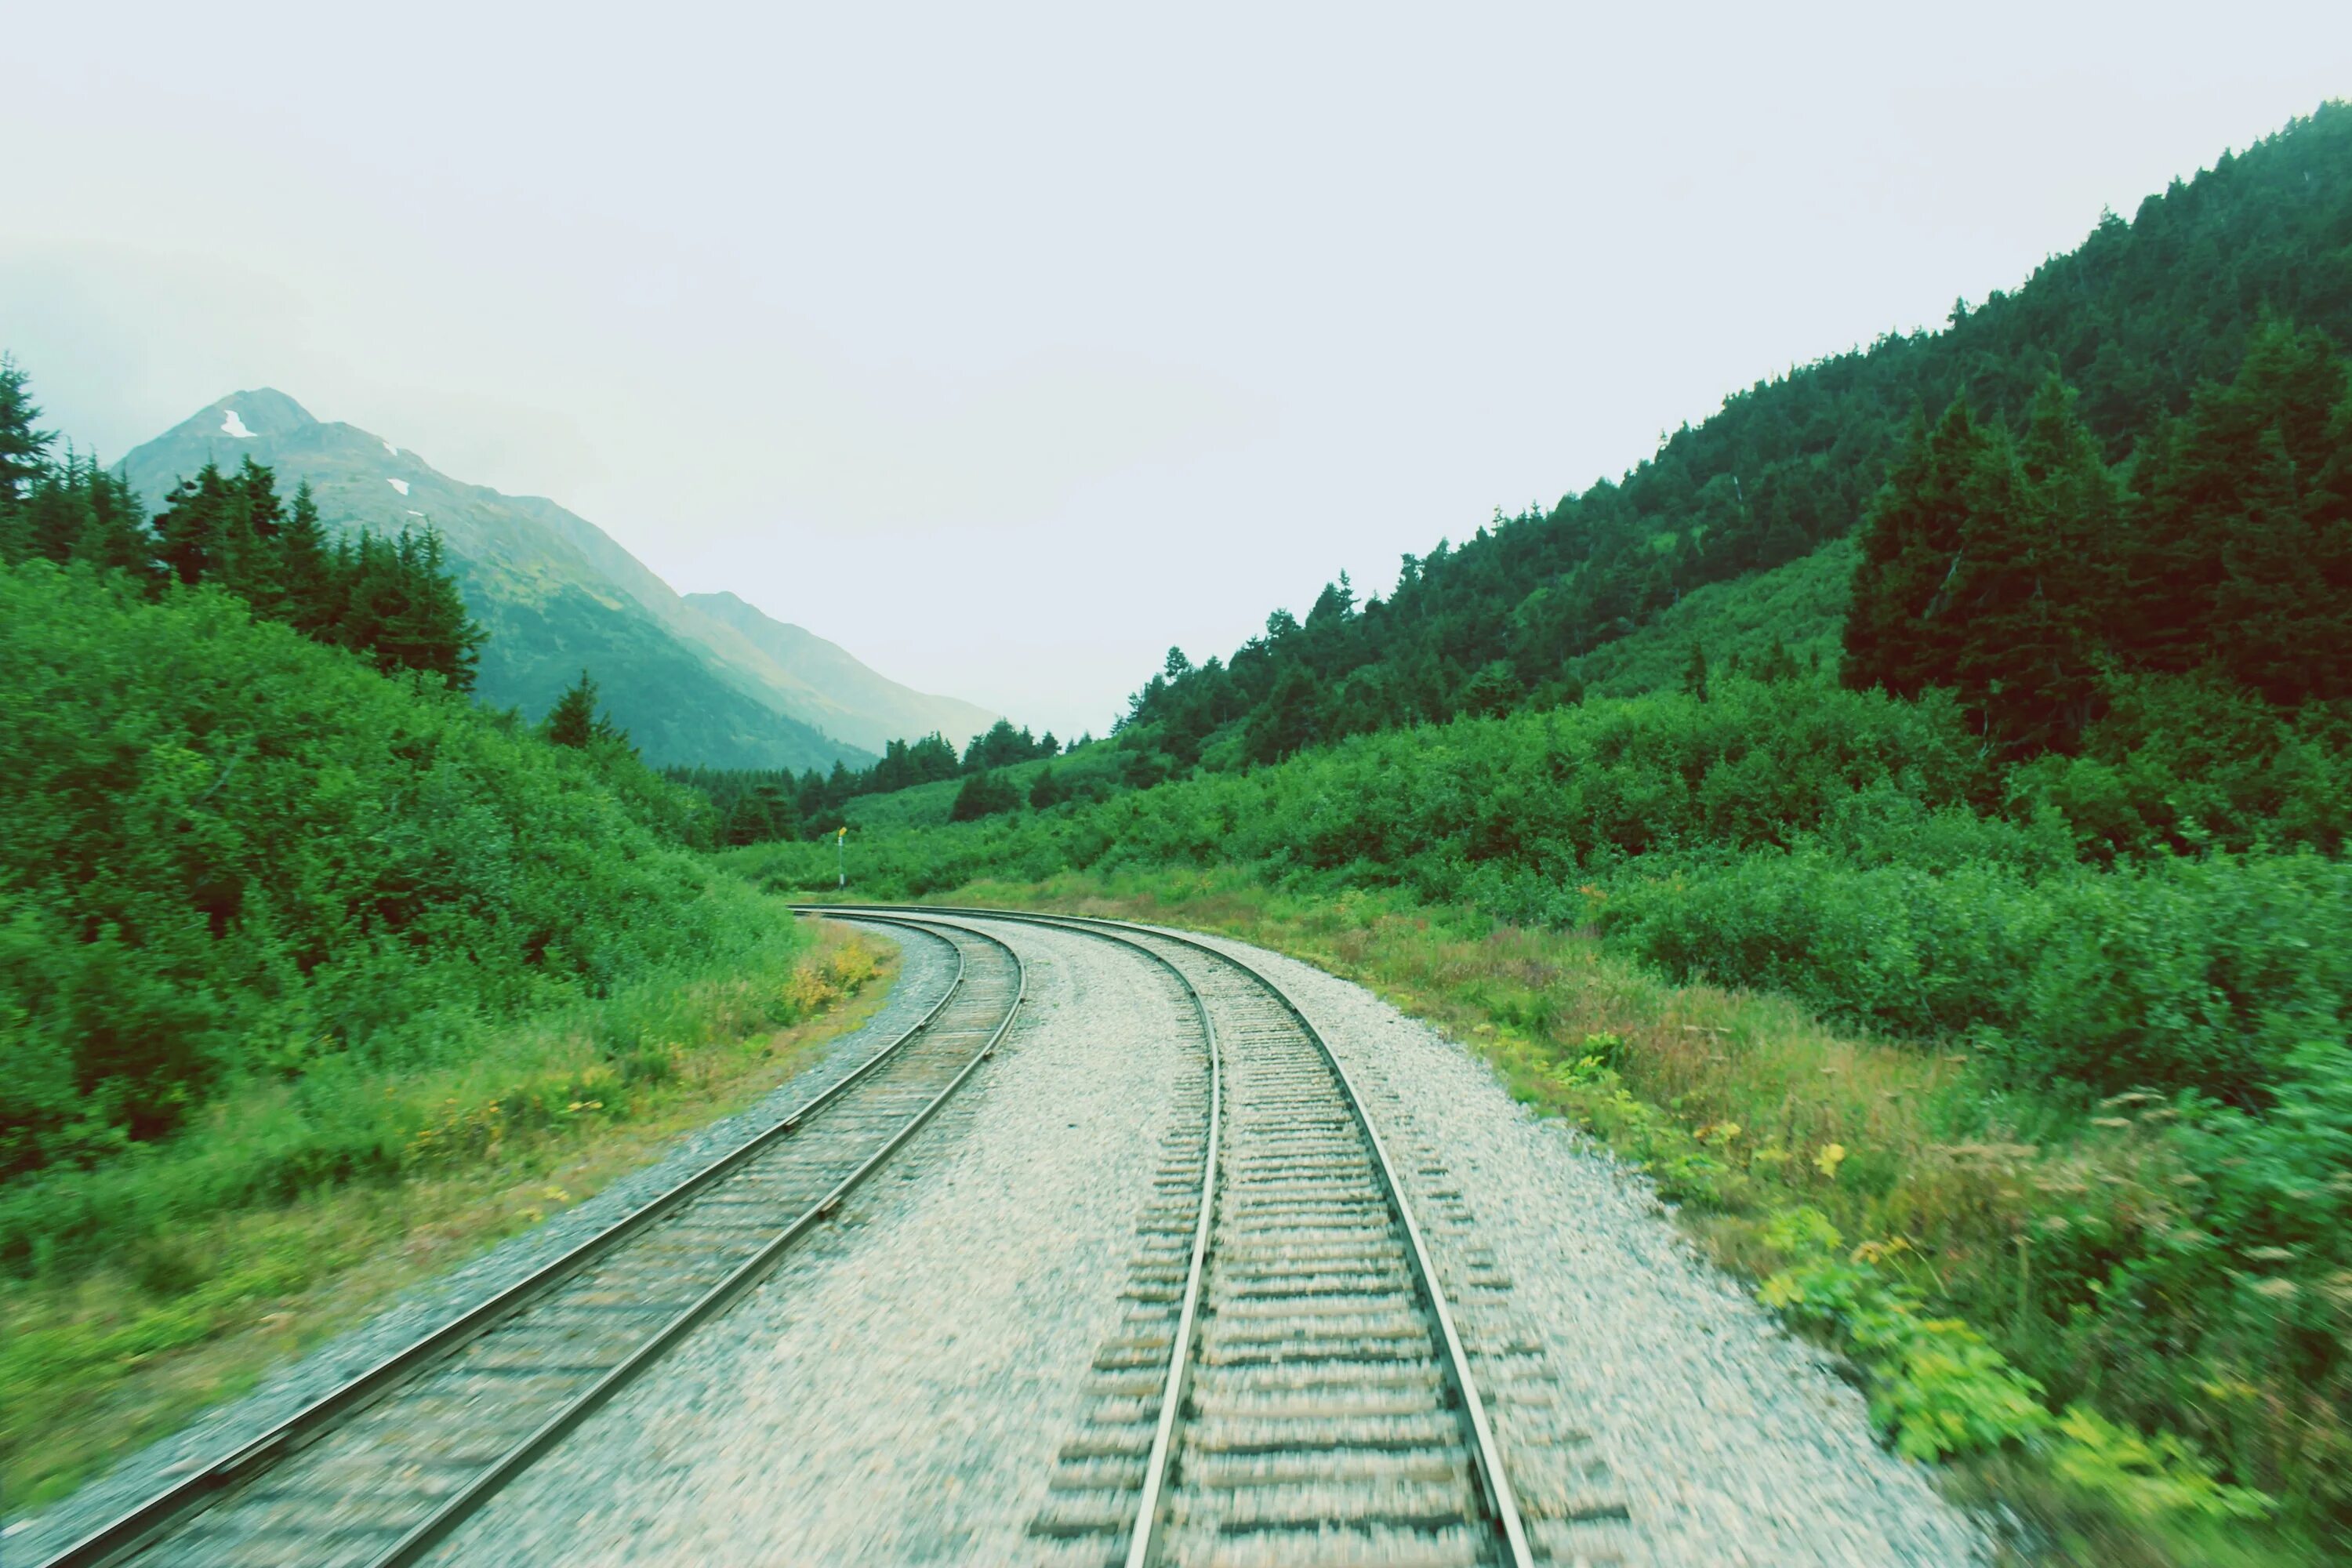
896, 1390
1729, 1441
927, 966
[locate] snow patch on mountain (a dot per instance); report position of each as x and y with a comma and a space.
400, 485
394, 450
233, 425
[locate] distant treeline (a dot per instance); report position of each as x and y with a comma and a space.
392, 600
762, 805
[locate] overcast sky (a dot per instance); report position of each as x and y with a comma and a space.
1008, 346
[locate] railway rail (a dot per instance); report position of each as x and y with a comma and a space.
1289, 1384
378, 1472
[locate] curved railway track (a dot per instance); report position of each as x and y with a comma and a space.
381, 1471
1288, 1385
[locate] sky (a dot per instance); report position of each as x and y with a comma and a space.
1008, 345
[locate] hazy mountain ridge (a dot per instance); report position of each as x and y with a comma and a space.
557, 594
876, 706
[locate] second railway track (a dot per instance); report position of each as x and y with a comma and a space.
380, 1471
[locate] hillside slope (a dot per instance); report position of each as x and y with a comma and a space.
2133, 320
554, 592
871, 708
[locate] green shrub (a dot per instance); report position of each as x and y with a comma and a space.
229, 855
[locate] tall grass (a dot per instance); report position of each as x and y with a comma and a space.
157, 1284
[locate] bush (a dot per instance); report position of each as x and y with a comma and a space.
229, 854
2203, 974
984, 794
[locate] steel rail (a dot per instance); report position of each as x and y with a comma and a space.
1486, 1454
435, 1528
1143, 1541
150, 1518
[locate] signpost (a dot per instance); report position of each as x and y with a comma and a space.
841, 856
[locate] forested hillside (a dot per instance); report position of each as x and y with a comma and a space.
2133, 322
552, 592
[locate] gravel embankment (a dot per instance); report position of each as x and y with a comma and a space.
896, 1390
1729, 1442
927, 966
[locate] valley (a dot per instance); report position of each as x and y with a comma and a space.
1793, 1006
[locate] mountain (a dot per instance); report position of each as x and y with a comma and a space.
558, 594
871, 709
2134, 322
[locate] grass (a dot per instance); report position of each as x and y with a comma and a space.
95, 1362
1878, 1198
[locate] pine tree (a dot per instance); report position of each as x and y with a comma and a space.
2032, 582
2270, 627
191, 524
1901, 633
55, 512
312, 590
245, 552
1288, 720
2239, 549
24, 452
78, 511
984, 794
115, 536
1778, 663
574, 721
432, 632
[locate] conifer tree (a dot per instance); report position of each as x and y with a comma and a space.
2030, 583
1778, 663
246, 546
189, 527
115, 536
55, 512
24, 451
575, 720
1900, 633
2239, 552
313, 599
984, 794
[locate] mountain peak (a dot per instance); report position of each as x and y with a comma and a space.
550, 586
263, 411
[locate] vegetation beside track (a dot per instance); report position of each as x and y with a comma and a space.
1858, 1182
95, 1362
306, 959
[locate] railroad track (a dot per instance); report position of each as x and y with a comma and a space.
381, 1471
1288, 1385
